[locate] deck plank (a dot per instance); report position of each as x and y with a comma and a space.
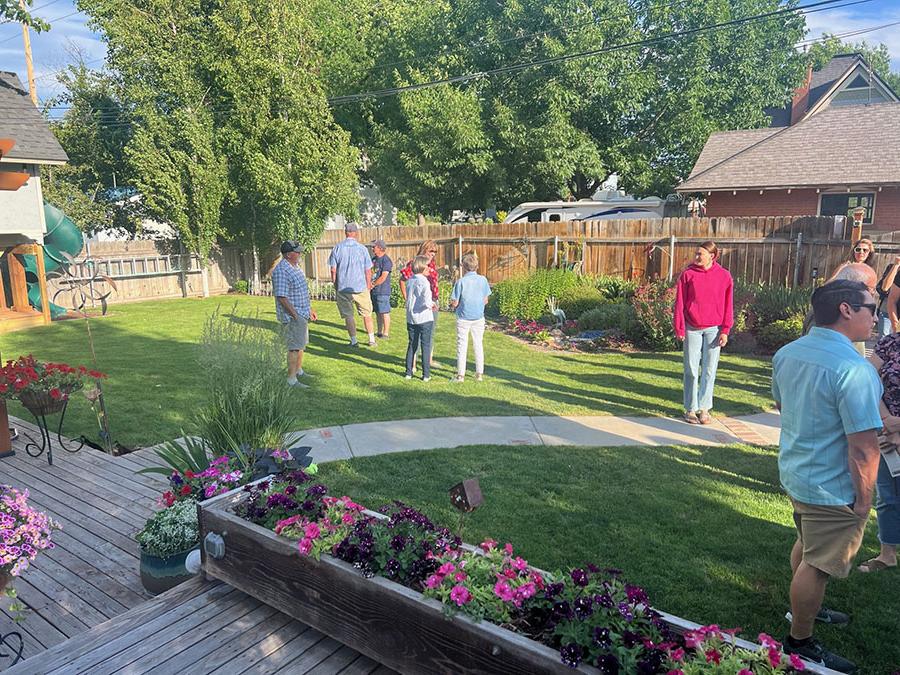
287, 653
262, 647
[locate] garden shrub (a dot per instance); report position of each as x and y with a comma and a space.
525, 297
248, 401
580, 299
241, 286
772, 302
614, 288
775, 335
610, 316
396, 296
653, 307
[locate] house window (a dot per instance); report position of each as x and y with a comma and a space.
845, 203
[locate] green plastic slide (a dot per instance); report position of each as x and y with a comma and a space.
62, 236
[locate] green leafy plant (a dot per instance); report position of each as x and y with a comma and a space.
580, 299
171, 531
525, 297
614, 288
189, 454
775, 335
612, 315
772, 302
241, 286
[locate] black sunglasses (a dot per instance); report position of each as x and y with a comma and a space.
871, 306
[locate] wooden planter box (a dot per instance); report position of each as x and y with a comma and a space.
388, 622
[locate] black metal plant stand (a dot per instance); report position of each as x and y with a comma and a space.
11, 647
46, 443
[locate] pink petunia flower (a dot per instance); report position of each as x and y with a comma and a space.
797, 663
312, 531
768, 641
488, 545
305, 545
744, 671
446, 568
434, 581
460, 576
503, 591
460, 595
520, 564
713, 656
774, 656
677, 654
526, 591
508, 548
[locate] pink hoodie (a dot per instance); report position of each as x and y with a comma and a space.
703, 299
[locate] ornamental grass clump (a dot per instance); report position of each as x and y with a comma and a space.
708, 650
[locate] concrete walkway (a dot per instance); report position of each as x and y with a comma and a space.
376, 438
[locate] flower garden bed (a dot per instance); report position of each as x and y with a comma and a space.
336, 566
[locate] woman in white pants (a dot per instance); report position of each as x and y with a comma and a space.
469, 296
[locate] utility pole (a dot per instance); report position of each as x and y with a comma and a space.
26, 39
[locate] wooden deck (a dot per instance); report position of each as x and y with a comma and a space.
85, 601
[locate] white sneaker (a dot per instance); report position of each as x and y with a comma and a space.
297, 383
303, 373
426, 379
407, 377
372, 343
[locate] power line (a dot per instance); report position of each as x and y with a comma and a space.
51, 22
515, 67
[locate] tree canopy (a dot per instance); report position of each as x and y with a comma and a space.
13, 11
876, 56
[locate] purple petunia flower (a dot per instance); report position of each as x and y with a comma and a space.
579, 577
601, 636
571, 654
608, 664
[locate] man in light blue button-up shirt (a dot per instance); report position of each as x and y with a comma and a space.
351, 273
828, 453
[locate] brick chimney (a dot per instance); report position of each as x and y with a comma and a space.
800, 102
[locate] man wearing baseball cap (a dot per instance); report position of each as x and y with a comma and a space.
292, 307
351, 272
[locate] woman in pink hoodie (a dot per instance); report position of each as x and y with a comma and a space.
703, 319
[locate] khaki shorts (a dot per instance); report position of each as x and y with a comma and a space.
296, 334
831, 536
362, 302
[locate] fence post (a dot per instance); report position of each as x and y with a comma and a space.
459, 242
671, 273
797, 259
555, 251
181, 269
583, 259
316, 263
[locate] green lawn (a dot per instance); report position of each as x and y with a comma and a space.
706, 530
149, 351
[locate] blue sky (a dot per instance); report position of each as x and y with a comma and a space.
69, 35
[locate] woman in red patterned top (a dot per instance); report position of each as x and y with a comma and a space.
429, 250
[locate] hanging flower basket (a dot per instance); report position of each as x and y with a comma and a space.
42, 387
43, 402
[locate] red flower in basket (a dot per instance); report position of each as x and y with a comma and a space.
42, 387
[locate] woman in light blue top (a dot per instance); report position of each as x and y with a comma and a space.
420, 308
469, 296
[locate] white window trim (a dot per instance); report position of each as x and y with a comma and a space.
874, 194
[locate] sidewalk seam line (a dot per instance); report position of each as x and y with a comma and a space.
534, 426
347, 438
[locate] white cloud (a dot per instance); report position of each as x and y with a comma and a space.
861, 17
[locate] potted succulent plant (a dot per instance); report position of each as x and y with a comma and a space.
166, 541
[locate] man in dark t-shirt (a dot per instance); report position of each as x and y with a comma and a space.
381, 287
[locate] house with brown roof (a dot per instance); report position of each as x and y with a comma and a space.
833, 149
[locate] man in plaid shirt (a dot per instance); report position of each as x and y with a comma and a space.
292, 307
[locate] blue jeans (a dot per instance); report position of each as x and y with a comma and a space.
884, 324
887, 506
419, 333
701, 358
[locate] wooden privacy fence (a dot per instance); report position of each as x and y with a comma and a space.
788, 250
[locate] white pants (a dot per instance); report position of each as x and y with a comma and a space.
463, 328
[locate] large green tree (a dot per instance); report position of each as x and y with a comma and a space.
555, 130
94, 131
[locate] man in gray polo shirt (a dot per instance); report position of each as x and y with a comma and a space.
351, 273
292, 307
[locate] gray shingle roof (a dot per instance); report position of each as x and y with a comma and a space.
820, 83
842, 145
20, 121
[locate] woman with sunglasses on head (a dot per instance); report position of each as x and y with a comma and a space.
703, 317
428, 249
